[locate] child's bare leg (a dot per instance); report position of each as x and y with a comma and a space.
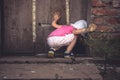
55, 48
67, 53
71, 45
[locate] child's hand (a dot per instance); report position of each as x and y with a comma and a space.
92, 27
56, 16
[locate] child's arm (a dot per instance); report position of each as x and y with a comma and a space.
79, 31
92, 27
56, 17
55, 25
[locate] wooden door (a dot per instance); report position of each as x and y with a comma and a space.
17, 26
18, 22
78, 10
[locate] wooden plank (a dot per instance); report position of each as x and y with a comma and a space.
60, 6
0, 24
42, 17
44, 11
78, 10
18, 26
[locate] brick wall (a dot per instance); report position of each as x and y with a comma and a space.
106, 14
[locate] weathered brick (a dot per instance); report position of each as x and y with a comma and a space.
98, 20
105, 28
116, 3
98, 11
104, 11
107, 1
97, 3
113, 20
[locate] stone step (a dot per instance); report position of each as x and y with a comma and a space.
53, 79
45, 60
41, 68
62, 71
37, 60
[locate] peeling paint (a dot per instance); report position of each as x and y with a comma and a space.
67, 11
34, 20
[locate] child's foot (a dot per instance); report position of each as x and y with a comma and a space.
51, 53
92, 27
68, 55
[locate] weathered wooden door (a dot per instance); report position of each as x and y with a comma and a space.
17, 26
20, 36
71, 11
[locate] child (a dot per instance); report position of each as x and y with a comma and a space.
66, 35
